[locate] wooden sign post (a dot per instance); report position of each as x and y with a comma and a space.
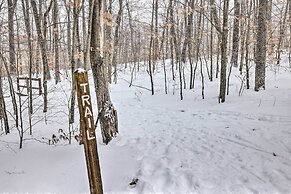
87, 131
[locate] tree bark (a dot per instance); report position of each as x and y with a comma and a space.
43, 47
106, 111
151, 63
260, 57
224, 52
235, 33
133, 49
12, 59
281, 32
108, 39
116, 40
188, 33
56, 42
11, 89
3, 114
74, 58
25, 7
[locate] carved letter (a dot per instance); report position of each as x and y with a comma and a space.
88, 112
89, 123
89, 137
85, 98
83, 85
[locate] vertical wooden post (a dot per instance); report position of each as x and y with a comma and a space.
27, 85
39, 85
87, 131
18, 84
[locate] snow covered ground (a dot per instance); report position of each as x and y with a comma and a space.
170, 146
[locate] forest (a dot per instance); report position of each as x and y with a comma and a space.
145, 96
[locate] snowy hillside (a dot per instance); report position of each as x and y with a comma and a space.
170, 146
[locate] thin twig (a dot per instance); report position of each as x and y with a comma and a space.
137, 85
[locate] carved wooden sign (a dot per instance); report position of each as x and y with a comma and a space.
87, 130
87, 111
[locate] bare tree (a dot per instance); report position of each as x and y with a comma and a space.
56, 41
116, 40
235, 33
133, 51
223, 46
12, 59
75, 59
282, 30
187, 45
260, 56
151, 49
289, 10
107, 113
3, 114
41, 35
25, 8
108, 37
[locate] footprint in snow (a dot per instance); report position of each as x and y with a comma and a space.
133, 182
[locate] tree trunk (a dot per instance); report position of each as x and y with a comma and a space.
12, 59
260, 57
151, 50
282, 32
188, 38
106, 111
3, 114
11, 89
224, 52
235, 33
74, 57
289, 33
211, 50
133, 50
247, 43
46, 69
116, 40
25, 7
85, 37
43, 47
69, 36
56, 42
108, 39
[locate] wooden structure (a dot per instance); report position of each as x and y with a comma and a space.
87, 131
25, 84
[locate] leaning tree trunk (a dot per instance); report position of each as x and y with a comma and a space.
11, 89
3, 114
106, 112
260, 57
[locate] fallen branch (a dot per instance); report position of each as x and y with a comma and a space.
137, 85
